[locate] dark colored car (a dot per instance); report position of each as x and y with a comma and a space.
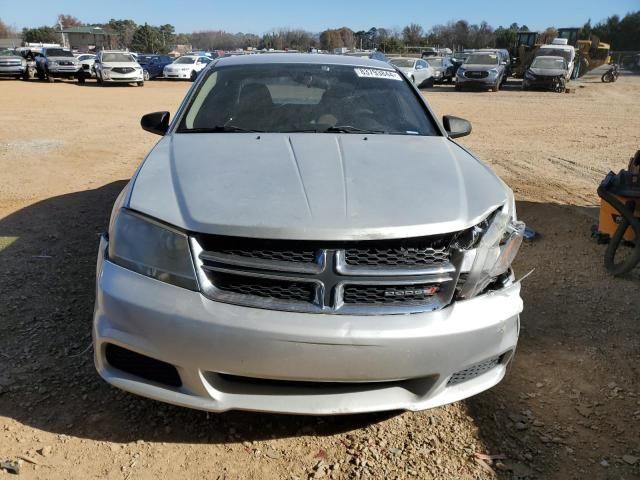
546, 73
153, 65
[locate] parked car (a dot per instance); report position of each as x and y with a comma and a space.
12, 64
416, 69
112, 66
153, 65
443, 69
186, 67
546, 73
54, 63
559, 48
503, 55
87, 61
483, 70
306, 237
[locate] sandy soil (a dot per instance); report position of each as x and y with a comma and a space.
569, 407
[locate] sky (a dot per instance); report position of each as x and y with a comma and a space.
258, 16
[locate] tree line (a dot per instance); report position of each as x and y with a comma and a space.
622, 33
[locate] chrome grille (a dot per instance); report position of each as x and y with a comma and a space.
122, 69
317, 277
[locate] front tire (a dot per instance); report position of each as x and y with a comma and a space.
194, 75
146, 76
140, 84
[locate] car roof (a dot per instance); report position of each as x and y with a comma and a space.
308, 58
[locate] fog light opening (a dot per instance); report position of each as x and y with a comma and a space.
142, 366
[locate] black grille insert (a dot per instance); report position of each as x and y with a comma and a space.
420, 252
476, 74
416, 294
263, 287
276, 250
122, 69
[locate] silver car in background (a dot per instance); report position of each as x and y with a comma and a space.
12, 64
416, 69
482, 70
307, 238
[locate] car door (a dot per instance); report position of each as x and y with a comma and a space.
422, 72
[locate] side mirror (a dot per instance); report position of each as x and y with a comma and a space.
456, 127
157, 122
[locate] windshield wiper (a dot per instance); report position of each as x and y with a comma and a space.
219, 129
350, 129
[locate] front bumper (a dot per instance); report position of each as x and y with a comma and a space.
177, 75
549, 83
115, 77
488, 82
11, 70
63, 71
322, 364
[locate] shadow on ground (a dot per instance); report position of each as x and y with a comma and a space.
579, 330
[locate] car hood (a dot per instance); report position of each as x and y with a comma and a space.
12, 58
548, 72
63, 59
120, 64
478, 68
315, 186
407, 69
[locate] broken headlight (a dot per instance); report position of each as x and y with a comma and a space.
491, 248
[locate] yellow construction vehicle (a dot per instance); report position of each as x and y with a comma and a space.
589, 54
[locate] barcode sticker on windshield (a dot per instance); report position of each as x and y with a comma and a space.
375, 73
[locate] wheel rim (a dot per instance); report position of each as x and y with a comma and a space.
146, 75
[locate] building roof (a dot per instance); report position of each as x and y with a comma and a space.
85, 29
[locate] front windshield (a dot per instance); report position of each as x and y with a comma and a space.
185, 60
117, 57
279, 97
8, 53
435, 62
555, 52
402, 62
555, 63
58, 52
482, 59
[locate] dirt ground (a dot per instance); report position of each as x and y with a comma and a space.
569, 407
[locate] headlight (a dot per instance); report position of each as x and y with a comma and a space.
53, 63
437, 73
151, 249
493, 252
493, 71
460, 71
24, 62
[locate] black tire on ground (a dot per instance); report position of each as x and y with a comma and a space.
81, 78
140, 84
431, 82
194, 75
458, 88
146, 75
